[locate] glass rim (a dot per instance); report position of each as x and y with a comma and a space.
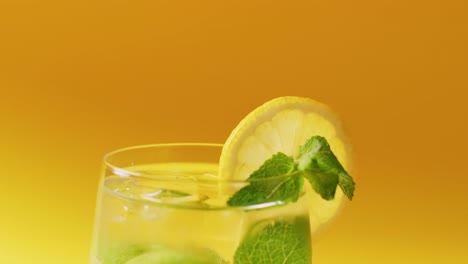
158, 175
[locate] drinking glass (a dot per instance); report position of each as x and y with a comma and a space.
166, 204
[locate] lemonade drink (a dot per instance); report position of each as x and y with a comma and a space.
178, 213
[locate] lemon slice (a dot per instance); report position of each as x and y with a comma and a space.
282, 125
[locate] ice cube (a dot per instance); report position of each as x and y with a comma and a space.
163, 196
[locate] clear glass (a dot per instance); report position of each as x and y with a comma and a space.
165, 204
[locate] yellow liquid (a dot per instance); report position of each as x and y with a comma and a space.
181, 210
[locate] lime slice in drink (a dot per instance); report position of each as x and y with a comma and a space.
171, 256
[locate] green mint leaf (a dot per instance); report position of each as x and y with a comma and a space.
278, 242
278, 164
321, 176
347, 184
283, 183
312, 146
323, 170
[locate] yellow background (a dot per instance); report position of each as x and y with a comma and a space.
80, 78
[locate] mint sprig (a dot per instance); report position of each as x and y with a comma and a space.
280, 178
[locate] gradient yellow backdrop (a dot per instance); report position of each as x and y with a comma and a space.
80, 78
